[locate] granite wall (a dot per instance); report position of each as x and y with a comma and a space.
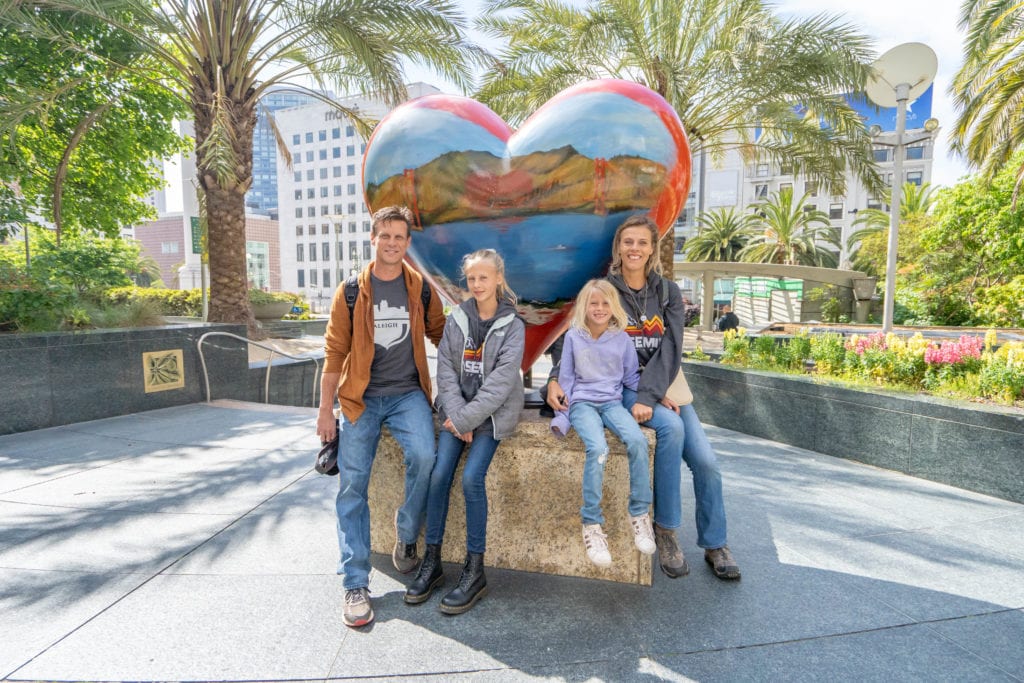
51, 379
971, 446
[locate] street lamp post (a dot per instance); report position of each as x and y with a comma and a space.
901, 75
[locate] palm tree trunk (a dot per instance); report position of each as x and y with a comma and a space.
666, 253
225, 207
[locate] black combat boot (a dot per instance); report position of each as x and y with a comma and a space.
472, 586
429, 576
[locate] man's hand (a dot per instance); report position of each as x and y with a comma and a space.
642, 413
556, 397
668, 403
326, 426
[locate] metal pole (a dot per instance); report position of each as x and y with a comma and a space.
902, 95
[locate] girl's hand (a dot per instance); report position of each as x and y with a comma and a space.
556, 397
467, 437
642, 413
667, 402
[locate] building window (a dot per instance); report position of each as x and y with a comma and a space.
362, 148
312, 251
363, 205
336, 153
298, 230
335, 133
169, 247
323, 191
310, 174
326, 281
309, 137
337, 190
337, 229
350, 169
881, 154
915, 177
762, 171
298, 176
325, 251
352, 207
916, 152
302, 278
298, 212
785, 186
325, 229
352, 226
322, 135
323, 154
309, 156
351, 188
339, 250
811, 188
337, 209
310, 211
337, 171
808, 208
350, 150
353, 251
310, 193
366, 250
325, 210
786, 169
298, 194
299, 253
874, 203
349, 131
761, 191
366, 226
835, 211
296, 139
312, 277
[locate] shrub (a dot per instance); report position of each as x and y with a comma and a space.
185, 302
828, 352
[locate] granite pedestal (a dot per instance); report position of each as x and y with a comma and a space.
534, 496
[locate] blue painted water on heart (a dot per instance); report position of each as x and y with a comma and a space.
547, 258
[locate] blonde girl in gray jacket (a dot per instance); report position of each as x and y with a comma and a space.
479, 399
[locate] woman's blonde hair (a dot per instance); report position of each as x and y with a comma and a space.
579, 313
653, 263
504, 293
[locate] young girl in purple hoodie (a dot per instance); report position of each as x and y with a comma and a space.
598, 360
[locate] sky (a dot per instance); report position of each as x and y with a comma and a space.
889, 23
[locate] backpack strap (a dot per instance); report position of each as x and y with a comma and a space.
352, 293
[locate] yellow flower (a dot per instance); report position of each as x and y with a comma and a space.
991, 339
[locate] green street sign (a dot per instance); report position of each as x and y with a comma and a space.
197, 236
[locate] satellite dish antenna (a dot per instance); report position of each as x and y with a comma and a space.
911, 64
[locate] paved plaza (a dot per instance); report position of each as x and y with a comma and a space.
196, 543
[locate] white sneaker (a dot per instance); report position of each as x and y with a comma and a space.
597, 545
643, 534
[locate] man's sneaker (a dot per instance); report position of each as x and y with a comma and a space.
404, 555
597, 545
722, 563
670, 555
357, 611
643, 534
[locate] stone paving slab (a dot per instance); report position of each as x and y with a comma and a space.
194, 543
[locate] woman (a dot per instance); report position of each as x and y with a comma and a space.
656, 314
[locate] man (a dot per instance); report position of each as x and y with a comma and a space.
728, 321
375, 362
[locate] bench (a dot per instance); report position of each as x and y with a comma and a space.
534, 497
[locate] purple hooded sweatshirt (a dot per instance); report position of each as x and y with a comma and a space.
595, 370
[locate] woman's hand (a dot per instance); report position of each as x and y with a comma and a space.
642, 413
556, 397
668, 403
467, 437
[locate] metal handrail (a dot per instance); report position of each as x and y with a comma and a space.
270, 363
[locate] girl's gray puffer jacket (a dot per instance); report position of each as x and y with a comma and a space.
500, 396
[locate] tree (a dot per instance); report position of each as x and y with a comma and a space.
220, 56
988, 91
87, 163
917, 201
789, 233
738, 76
721, 235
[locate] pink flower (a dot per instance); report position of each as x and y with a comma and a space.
954, 352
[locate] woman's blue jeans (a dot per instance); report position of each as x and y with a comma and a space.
681, 438
474, 491
589, 421
411, 422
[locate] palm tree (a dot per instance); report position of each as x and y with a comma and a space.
220, 56
988, 90
790, 233
738, 76
721, 234
916, 201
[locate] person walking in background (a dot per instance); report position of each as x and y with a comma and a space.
598, 361
479, 399
728, 321
654, 306
375, 364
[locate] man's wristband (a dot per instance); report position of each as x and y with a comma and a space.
551, 379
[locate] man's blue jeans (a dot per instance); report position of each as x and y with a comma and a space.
681, 438
589, 421
411, 422
474, 491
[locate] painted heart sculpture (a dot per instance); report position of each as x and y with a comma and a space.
547, 197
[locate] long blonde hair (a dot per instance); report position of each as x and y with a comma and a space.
504, 292
653, 263
579, 313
